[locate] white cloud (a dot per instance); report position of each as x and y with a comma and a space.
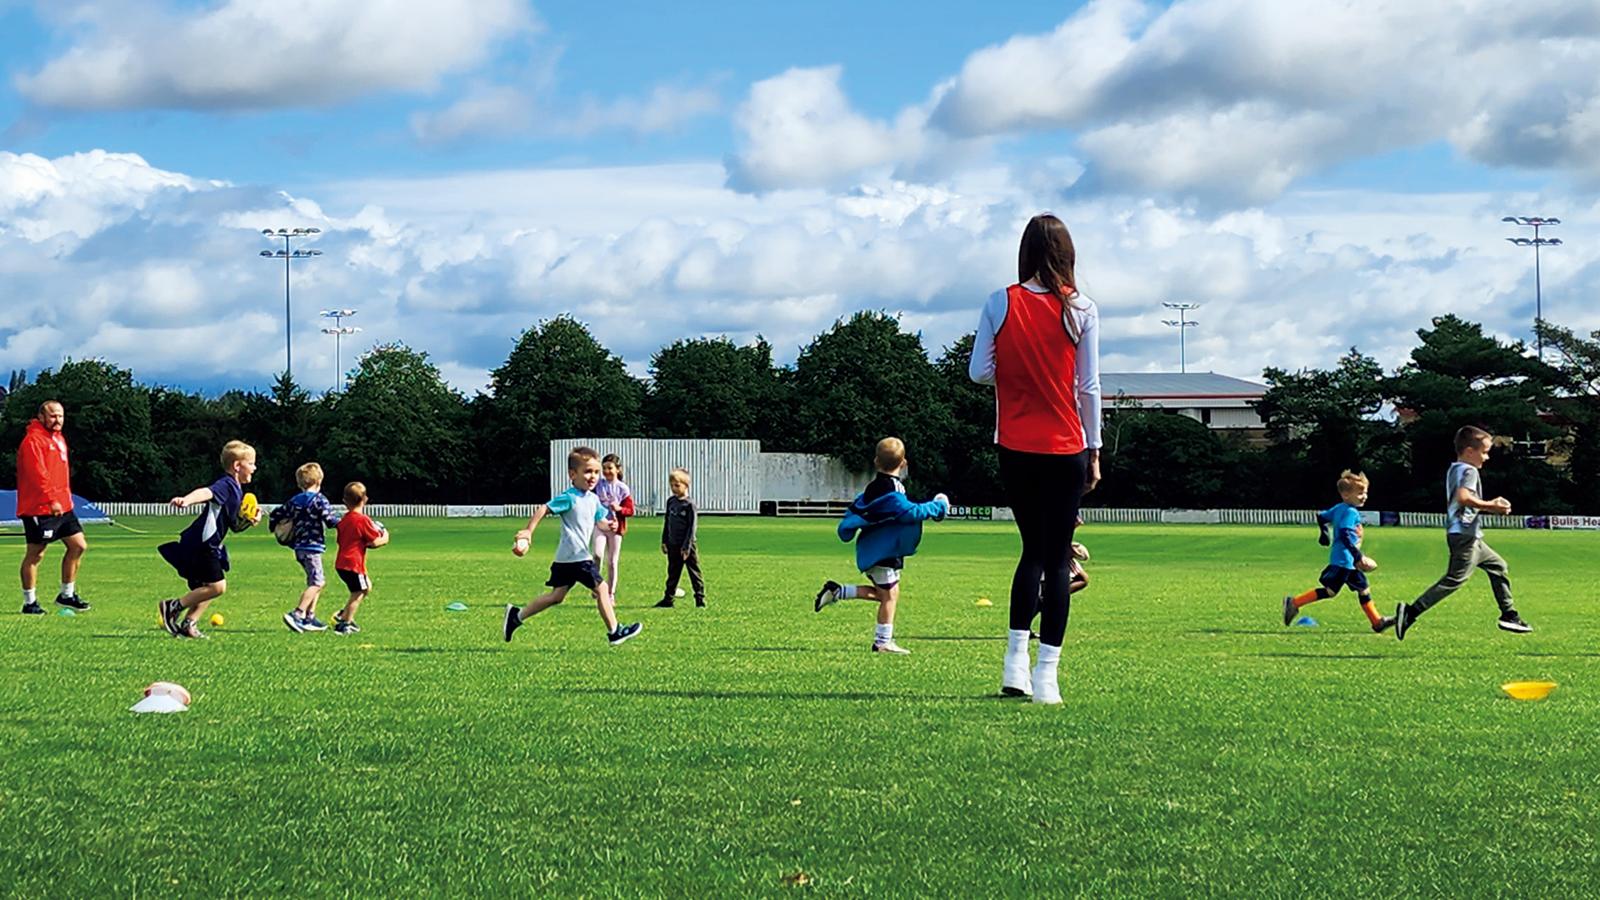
244, 55
501, 110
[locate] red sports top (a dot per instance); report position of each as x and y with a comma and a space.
357, 531
42, 477
1035, 377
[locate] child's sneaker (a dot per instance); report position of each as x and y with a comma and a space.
624, 632
73, 602
32, 609
343, 627
312, 623
1383, 624
1510, 621
293, 620
828, 595
191, 629
513, 620
170, 610
1289, 609
888, 646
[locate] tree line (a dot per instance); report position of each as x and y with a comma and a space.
411, 437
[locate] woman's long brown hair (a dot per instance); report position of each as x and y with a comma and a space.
1047, 254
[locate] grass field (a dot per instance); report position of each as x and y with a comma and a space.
1202, 747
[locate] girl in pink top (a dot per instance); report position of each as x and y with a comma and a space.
617, 500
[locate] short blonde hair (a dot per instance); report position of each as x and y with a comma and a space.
890, 455
678, 475
1352, 482
355, 494
233, 451
307, 475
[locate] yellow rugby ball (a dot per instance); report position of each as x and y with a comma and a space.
249, 510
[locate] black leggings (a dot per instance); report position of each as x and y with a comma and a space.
1045, 491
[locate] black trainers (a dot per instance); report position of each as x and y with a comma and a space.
190, 629
32, 609
665, 603
1384, 624
1402, 622
170, 610
513, 620
73, 602
1289, 609
828, 595
343, 627
1512, 622
293, 621
624, 632
700, 602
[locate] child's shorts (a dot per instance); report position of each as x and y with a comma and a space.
355, 581
1335, 577
197, 567
883, 576
311, 561
567, 574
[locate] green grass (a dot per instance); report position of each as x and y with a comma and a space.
1202, 748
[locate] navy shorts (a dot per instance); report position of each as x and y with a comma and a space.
567, 574
1335, 577
198, 568
44, 529
355, 581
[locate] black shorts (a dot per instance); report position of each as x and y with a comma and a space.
44, 529
568, 574
198, 568
355, 581
1335, 577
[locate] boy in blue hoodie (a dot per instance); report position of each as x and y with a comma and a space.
886, 527
307, 514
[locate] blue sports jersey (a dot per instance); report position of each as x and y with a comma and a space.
1345, 522
216, 519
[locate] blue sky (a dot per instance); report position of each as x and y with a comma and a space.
766, 168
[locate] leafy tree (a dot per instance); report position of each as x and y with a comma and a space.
400, 429
1576, 407
287, 428
1324, 421
190, 432
970, 458
1163, 459
865, 379
558, 382
712, 388
108, 427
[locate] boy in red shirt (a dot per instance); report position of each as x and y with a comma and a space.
357, 532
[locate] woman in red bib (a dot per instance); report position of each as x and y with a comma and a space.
1038, 343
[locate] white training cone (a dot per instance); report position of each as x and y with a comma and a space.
170, 689
159, 703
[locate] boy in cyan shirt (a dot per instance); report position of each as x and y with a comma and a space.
581, 513
1347, 565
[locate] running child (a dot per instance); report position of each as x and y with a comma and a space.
1347, 565
886, 528
357, 532
198, 553
617, 500
307, 513
1463, 494
679, 528
581, 514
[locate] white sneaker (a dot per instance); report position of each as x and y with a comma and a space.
1045, 688
1017, 680
888, 646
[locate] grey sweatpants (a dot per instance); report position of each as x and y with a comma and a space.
1466, 553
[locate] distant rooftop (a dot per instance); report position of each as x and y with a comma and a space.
1174, 385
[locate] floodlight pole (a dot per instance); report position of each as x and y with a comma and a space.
339, 330
1536, 223
1183, 325
287, 255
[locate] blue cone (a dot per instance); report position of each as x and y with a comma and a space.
64, 611
1306, 621
456, 606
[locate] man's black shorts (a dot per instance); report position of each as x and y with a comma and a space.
198, 567
1335, 577
585, 573
44, 529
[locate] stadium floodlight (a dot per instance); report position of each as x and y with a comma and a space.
1183, 324
1537, 241
288, 256
339, 330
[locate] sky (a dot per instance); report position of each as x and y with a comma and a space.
1314, 175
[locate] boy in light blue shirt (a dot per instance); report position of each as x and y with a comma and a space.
1347, 565
581, 514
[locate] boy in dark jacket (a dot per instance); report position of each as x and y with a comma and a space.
886, 528
678, 529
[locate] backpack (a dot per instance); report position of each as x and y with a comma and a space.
283, 529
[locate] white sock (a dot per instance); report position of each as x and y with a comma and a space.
848, 592
1017, 642
30, 596
884, 633
69, 589
1045, 668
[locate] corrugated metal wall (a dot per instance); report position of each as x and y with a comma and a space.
727, 473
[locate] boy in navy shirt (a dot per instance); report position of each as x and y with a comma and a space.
198, 554
309, 513
1347, 565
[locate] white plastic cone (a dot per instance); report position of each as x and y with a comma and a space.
159, 703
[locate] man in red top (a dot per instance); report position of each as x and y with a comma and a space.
44, 503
